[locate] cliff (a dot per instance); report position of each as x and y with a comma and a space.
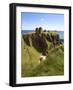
43, 43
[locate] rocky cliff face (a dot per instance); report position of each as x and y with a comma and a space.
38, 41
54, 39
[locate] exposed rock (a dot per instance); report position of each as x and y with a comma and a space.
38, 40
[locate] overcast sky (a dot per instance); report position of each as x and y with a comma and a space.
29, 21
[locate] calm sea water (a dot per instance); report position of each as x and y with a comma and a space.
61, 33
23, 32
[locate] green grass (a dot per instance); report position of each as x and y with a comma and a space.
30, 58
31, 65
52, 33
54, 65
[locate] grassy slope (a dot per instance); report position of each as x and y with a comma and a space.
30, 58
54, 65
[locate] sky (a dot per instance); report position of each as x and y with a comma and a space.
48, 21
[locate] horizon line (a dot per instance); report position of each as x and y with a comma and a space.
46, 30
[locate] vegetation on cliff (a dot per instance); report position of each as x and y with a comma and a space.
46, 43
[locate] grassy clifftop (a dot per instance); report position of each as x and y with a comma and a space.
45, 43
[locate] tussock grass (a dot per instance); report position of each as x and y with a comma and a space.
31, 65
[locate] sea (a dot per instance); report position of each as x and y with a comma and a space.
24, 32
61, 33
